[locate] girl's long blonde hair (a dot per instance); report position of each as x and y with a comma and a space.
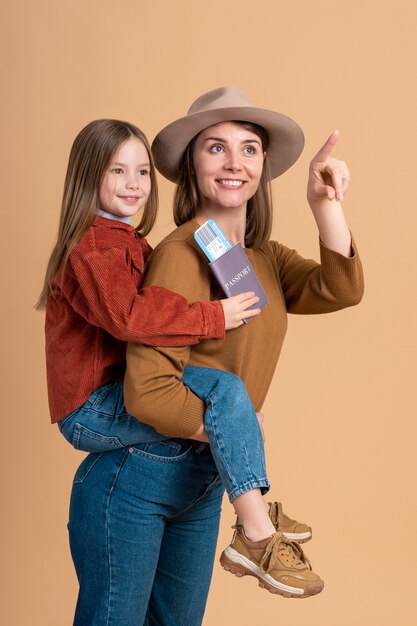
90, 155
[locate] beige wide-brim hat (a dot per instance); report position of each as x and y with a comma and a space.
286, 139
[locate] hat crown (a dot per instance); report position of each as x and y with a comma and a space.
226, 104
220, 98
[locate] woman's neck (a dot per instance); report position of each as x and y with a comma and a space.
231, 221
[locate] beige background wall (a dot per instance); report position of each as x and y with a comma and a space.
341, 411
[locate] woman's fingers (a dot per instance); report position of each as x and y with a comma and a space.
329, 177
337, 173
260, 418
326, 148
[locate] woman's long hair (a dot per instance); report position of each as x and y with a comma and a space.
259, 208
90, 155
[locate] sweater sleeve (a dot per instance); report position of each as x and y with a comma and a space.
153, 390
105, 293
310, 287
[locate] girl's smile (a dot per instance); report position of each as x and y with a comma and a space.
129, 199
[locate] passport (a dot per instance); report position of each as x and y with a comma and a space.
235, 274
229, 264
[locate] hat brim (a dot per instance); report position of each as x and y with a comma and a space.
286, 139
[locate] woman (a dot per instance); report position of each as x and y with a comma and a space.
144, 520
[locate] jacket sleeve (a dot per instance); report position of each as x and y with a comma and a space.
310, 287
153, 389
105, 293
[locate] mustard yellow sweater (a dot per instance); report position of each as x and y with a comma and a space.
154, 392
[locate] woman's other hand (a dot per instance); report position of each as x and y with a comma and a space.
261, 418
200, 435
235, 309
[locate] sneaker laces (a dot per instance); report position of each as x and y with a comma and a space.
288, 548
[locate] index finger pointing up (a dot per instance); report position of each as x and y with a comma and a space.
326, 149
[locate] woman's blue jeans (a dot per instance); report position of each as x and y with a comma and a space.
143, 530
235, 437
144, 516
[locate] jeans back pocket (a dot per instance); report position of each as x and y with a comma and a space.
167, 451
90, 441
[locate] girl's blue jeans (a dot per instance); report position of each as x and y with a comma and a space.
144, 517
235, 437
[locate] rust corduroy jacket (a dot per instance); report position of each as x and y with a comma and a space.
96, 306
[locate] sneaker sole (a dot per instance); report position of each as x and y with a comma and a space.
299, 537
239, 565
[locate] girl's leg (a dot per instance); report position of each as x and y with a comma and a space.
102, 424
233, 429
237, 446
236, 443
121, 504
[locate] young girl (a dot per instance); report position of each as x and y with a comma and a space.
94, 305
92, 294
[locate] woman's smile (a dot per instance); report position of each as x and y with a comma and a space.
231, 183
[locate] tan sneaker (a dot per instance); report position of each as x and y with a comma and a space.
289, 527
297, 531
278, 563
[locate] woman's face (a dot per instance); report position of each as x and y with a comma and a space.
228, 161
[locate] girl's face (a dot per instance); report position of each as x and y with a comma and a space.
126, 184
228, 161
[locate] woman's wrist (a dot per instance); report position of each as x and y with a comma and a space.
332, 226
200, 435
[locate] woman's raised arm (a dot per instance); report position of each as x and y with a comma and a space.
328, 183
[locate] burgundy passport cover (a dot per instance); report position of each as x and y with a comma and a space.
236, 275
